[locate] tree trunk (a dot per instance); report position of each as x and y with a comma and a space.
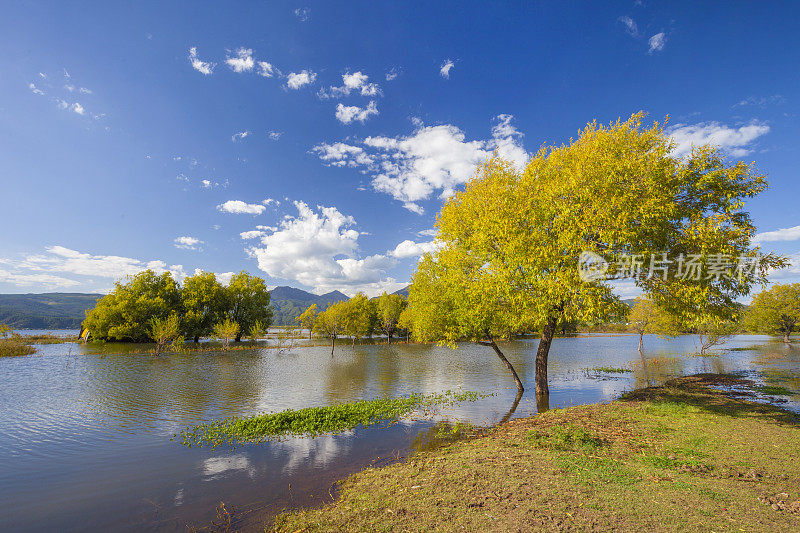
196, 339
238, 337
786, 337
333, 344
641, 335
541, 358
542, 401
389, 338
502, 357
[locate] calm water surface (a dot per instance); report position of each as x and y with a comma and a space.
85, 431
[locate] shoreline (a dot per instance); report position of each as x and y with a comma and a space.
682, 456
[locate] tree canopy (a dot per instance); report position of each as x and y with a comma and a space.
775, 311
511, 239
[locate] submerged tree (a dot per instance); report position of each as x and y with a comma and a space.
359, 316
389, 309
512, 239
776, 311
248, 302
331, 322
125, 313
646, 318
165, 331
226, 331
307, 318
203, 300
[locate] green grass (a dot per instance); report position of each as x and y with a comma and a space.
682, 457
609, 370
44, 338
14, 348
313, 421
774, 390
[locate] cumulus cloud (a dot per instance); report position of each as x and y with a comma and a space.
239, 207
252, 234
239, 136
77, 108
187, 243
347, 114
445, 69
51, 267
731, 140
265, 69
630, 26
242, 61
434, 158
409, 248
657, 42
296, 80
356, 81
202, 67
783, 234
319, 248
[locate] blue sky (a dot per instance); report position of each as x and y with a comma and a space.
312, 143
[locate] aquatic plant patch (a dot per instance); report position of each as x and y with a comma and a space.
313, 421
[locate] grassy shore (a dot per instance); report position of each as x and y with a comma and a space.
678, 457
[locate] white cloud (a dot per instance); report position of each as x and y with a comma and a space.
252, 234
410, 248
202, 67
296, 80
392, 74
445, 69
630, 26
356, 81
427, 232
84, 90
783, 234
434, 158
730, 139
78, 108
239, 207
239, 136
265, 69
302, 13
319, 248
271, 201
62, 261
763, 101
188, 243
206, 184
274, 135
34, 89
657, 42
243, 60
347, 114
47, 281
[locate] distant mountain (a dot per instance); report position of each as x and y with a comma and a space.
53, 310
403, 292
289, 302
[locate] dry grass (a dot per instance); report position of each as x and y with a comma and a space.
679, 457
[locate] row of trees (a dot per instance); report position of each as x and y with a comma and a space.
128, 312
357, 317
773, 312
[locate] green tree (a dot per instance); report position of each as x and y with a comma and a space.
389, 309
125, 313
646, 318
331, 322
307, 318
512, 239
203, 300
247, 301
359, 316
775, 311
226, 331
257, 331
5, 331
164, 331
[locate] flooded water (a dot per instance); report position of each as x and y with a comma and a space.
85, 432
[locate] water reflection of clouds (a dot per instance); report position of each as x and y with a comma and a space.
317, 451
215, 467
